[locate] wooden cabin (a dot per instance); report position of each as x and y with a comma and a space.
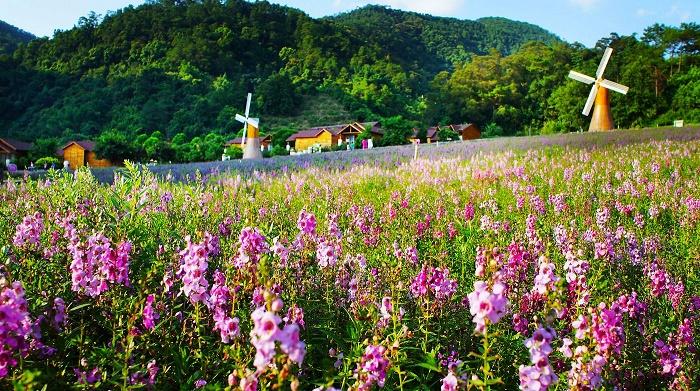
82, 153
328, 136
12, 149
466, 131
265, 142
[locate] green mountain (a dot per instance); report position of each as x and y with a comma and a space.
177, 71
11, 37
184, 66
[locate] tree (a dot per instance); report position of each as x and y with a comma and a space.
114, 146
397, 130
277, 96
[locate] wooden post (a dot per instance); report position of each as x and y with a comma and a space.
415, 150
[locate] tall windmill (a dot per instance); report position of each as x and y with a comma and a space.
250, 141
602, 118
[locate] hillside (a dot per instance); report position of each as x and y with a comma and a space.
11, 37
178, 71
185, 68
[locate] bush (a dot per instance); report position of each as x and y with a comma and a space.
47, 161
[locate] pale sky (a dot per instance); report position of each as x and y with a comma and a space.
584, 21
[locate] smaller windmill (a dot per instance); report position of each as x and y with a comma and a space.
250, 141
602, 118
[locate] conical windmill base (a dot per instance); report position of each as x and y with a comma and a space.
602, 117
252, 149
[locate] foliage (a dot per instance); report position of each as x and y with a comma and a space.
47, 162
547, 268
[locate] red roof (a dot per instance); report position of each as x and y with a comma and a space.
17, 145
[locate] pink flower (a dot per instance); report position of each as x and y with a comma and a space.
372, 367
487, 307
193, 269
28, 233
449, 383
306, 223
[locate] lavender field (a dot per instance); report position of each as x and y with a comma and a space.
560, 262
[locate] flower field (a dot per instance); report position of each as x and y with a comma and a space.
551, 268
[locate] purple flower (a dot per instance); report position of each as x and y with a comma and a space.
28, 233
372, 367
306, 223
449, 383
15, 326
252, 245
149, 316
59, 313
219, 303
200, 383
434, 282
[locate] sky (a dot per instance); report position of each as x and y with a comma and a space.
583, 21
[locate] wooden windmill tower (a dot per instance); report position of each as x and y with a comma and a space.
602, 118
250, 141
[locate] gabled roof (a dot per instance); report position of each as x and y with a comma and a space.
432, 132
84, 144
16, 145
459, 128
239, 140
310, 133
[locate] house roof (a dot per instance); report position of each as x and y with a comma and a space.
335, 130
87, 145
459, 128
16, 145
373, 127
239, 140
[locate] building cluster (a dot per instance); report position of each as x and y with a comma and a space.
75, 153
82, 153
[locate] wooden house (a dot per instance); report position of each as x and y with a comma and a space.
466, 131
12, 149
328, 136
82, 153
265, 142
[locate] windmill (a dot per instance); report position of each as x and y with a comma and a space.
250, 142
602, 118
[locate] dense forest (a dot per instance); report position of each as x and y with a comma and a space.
165, 79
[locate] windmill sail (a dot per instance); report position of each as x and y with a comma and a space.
581, 77
603, 63
611, 85
591, 100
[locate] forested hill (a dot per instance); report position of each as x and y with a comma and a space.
436, 43
183, 66
11, 37
177, 71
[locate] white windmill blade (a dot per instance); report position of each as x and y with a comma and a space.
241, 118
245, 135
603, 63
611, 85
581, 77
247, 105
591, 100
255, 122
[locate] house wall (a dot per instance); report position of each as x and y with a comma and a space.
325, 139
75, 155
93, 161
471, 133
